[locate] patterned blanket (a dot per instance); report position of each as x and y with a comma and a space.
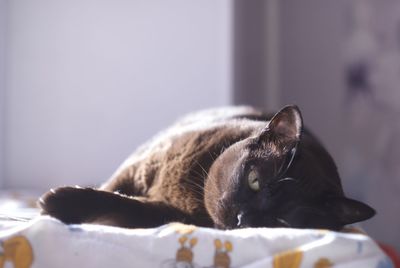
46, 242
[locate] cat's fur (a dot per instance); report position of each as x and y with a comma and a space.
227, 168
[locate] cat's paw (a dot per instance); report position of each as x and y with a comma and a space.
69, 204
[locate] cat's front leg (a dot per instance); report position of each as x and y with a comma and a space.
87, 205
71, 204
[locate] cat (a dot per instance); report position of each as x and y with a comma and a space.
225, 168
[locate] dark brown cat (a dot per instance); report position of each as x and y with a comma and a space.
227, 168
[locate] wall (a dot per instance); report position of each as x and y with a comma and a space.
249, 52
88, 81
2, 84
256, 57
359, 131
311, 64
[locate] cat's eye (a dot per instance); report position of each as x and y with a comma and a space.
253, 179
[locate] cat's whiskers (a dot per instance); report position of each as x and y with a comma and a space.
196, 195
223, 148
286, 179
201, 175
202, 168
212, 157
283, 222
196, 188
194, 185
207, 175
197, 179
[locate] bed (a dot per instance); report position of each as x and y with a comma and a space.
29, 240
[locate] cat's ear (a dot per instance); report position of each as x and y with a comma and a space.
287, 124
349, 211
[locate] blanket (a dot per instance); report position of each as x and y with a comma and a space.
47, 242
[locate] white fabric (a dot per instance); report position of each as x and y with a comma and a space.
50, 243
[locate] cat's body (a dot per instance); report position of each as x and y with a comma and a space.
228, 168
174, 165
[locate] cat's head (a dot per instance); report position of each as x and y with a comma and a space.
279, 177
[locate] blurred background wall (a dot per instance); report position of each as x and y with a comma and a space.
3, 16
340, 62
88, 81
84, 82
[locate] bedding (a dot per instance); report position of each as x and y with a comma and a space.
46, 242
